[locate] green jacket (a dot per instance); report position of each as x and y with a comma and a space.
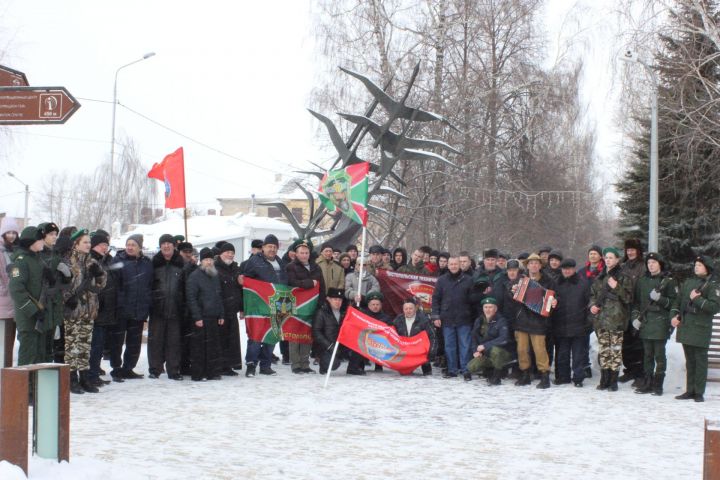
613, 302
25, 287
418, 269
696, 316
333, 273
655, 315
54, 309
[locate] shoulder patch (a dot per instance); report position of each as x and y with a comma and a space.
19, 257
15, 272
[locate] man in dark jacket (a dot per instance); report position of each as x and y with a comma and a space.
229, 331
413, 321
267, 267
326, 326
571, 325
204, 298
107, 311
303, 273
255, 248
187, 322
530, 330
166, 311
134, 296
452, 310
490, 341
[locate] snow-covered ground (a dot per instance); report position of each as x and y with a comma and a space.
379, 426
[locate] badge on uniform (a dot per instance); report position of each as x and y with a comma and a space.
15, 272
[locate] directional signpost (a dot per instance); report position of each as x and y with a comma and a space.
12, 78
36, 105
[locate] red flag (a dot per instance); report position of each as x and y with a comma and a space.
171, 171
398, 286
381, 344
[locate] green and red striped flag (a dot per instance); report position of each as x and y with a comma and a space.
347, 190
275, 312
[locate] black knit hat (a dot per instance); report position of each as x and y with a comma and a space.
166, 238
556, 254
490, 253
596, 248
206, 253
137, 238
271, 240
97, 239
227, 247
185, 247
257, 243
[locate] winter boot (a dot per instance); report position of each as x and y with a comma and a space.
75, 383
86, 384
604, 379
646, 385
495, 376
250, 370
657, 385
588, 372
626, 377
685, 396
613, 381
544, 380
524, 378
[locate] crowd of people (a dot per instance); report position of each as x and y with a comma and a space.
73, 302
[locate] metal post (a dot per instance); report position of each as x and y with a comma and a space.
654, 169
27, 198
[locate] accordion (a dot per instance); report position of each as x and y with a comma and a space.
534, 296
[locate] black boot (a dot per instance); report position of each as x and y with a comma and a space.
613, 381
604, 379
626, 377
524, 378
657, 386
685, 396
544, 380
75, 383
646, 385
86, 384
495, 376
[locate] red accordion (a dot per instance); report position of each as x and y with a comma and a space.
534, 296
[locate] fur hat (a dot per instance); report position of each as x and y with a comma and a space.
490, 253
657, 257
184, 246
206, 253
335, 292
257, 243
97, 239
227, 247
47, 227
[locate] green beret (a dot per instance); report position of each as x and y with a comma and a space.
374, 296
612, 250
79, 233
488, 301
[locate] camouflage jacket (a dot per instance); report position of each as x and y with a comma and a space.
84, 287
654, 316
613, 302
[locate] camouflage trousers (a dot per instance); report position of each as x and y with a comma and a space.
610, 349
78, 336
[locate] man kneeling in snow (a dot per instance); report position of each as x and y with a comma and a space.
490, 338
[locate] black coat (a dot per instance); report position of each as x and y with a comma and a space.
107, 297
168, 290
259, 268
204, 296
530, 322
571, 318
299, 276
421, 323
134, 286
451, 300
325, 328
381, 316
232, 294
497, 334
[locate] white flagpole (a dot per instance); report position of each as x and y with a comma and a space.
332, 362
362, 263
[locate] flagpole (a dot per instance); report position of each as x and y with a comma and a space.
187, 239
332, 362
362, 263
185, 219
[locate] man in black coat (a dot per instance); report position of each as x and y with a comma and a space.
204, 299
413, 321
571, 325
303, 273
267, 267
134, 291
452, 310
229, 331
189, 255
166, 312
326, 327
530, 330
107, 310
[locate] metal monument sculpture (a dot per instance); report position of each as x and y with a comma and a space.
392, 146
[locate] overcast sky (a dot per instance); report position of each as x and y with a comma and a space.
234, 75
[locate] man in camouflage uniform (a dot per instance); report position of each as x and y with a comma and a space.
693, 311
610, 297
655, 293
26, 283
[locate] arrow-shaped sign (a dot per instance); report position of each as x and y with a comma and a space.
12, 78
36, 105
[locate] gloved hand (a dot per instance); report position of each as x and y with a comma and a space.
71, 302
95, 270
636, 324
654, 295
64, 270
39, 319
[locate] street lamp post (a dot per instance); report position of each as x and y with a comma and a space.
112, 141
631, 56
27, 197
